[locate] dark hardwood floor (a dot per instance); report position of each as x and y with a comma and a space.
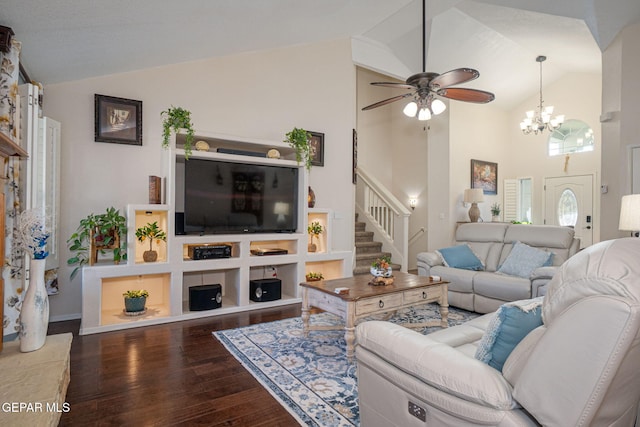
166, 375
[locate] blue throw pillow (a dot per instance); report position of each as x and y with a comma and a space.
523, 260
511, 323
460, 256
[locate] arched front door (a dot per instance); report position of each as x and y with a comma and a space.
569, 202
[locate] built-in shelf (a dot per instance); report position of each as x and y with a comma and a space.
8, 148
168, 280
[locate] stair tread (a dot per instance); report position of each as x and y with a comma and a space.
365, 244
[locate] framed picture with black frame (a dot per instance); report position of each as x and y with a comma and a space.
118, 120
484, 175
316, 142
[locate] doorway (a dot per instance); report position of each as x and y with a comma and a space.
569, 202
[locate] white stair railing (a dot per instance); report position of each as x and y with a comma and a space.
386, 215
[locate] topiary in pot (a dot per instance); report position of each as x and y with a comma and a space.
152, 232
177, 118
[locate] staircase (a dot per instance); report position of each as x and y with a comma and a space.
367, 250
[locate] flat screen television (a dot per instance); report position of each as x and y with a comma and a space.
227, 197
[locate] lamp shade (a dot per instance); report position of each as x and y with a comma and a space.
281, 208
473, 195
630, 213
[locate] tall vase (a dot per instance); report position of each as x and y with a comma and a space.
34, 315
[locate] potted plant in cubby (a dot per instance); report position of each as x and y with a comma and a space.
314, 229
135, 301
298, 139
314, 276
177, 118
151, 232
95, 234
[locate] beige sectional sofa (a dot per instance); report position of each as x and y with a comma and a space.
484, 291
581, 367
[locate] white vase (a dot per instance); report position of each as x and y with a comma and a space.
34, 314
381, 272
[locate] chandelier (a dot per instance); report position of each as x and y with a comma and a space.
540, 119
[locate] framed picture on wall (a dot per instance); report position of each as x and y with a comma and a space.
118, 120
317, 148
354, 172
484, 175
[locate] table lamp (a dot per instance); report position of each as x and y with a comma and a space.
281, 209
630, 213
474, 196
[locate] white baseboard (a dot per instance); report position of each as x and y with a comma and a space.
64, 317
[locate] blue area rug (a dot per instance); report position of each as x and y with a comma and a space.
311, 376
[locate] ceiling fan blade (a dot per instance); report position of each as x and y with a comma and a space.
467, 95
387, 101
454, 77
394, 85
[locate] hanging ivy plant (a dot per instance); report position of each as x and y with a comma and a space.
177, 118
298, 139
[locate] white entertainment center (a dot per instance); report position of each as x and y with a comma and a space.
169, 278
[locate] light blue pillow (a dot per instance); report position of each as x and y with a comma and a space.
523, 260
460, 256
511, 323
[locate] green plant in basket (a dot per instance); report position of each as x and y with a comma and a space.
495, 209
94, 234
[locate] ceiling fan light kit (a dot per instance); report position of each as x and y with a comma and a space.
425, 86
536, 121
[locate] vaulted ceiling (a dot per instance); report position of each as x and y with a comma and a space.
68, 40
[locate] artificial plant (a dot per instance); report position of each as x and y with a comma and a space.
177, 118
298, 139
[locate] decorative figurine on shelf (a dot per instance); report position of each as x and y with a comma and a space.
151, 232
134, 302
381, 271
311, 198
314, 229
31, 237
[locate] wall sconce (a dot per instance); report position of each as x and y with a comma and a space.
413, 202
474, 196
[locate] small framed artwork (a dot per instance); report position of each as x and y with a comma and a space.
118, 120
484, 175
317, 148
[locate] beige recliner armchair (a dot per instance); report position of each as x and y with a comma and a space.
580, 368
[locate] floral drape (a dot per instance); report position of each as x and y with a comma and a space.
9, 72
9, 124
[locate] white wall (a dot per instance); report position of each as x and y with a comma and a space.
577, 96
621, 95
480, 132
393, 148
262, 94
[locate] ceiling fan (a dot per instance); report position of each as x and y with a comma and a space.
425, 86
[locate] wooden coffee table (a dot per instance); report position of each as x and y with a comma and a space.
365, 300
